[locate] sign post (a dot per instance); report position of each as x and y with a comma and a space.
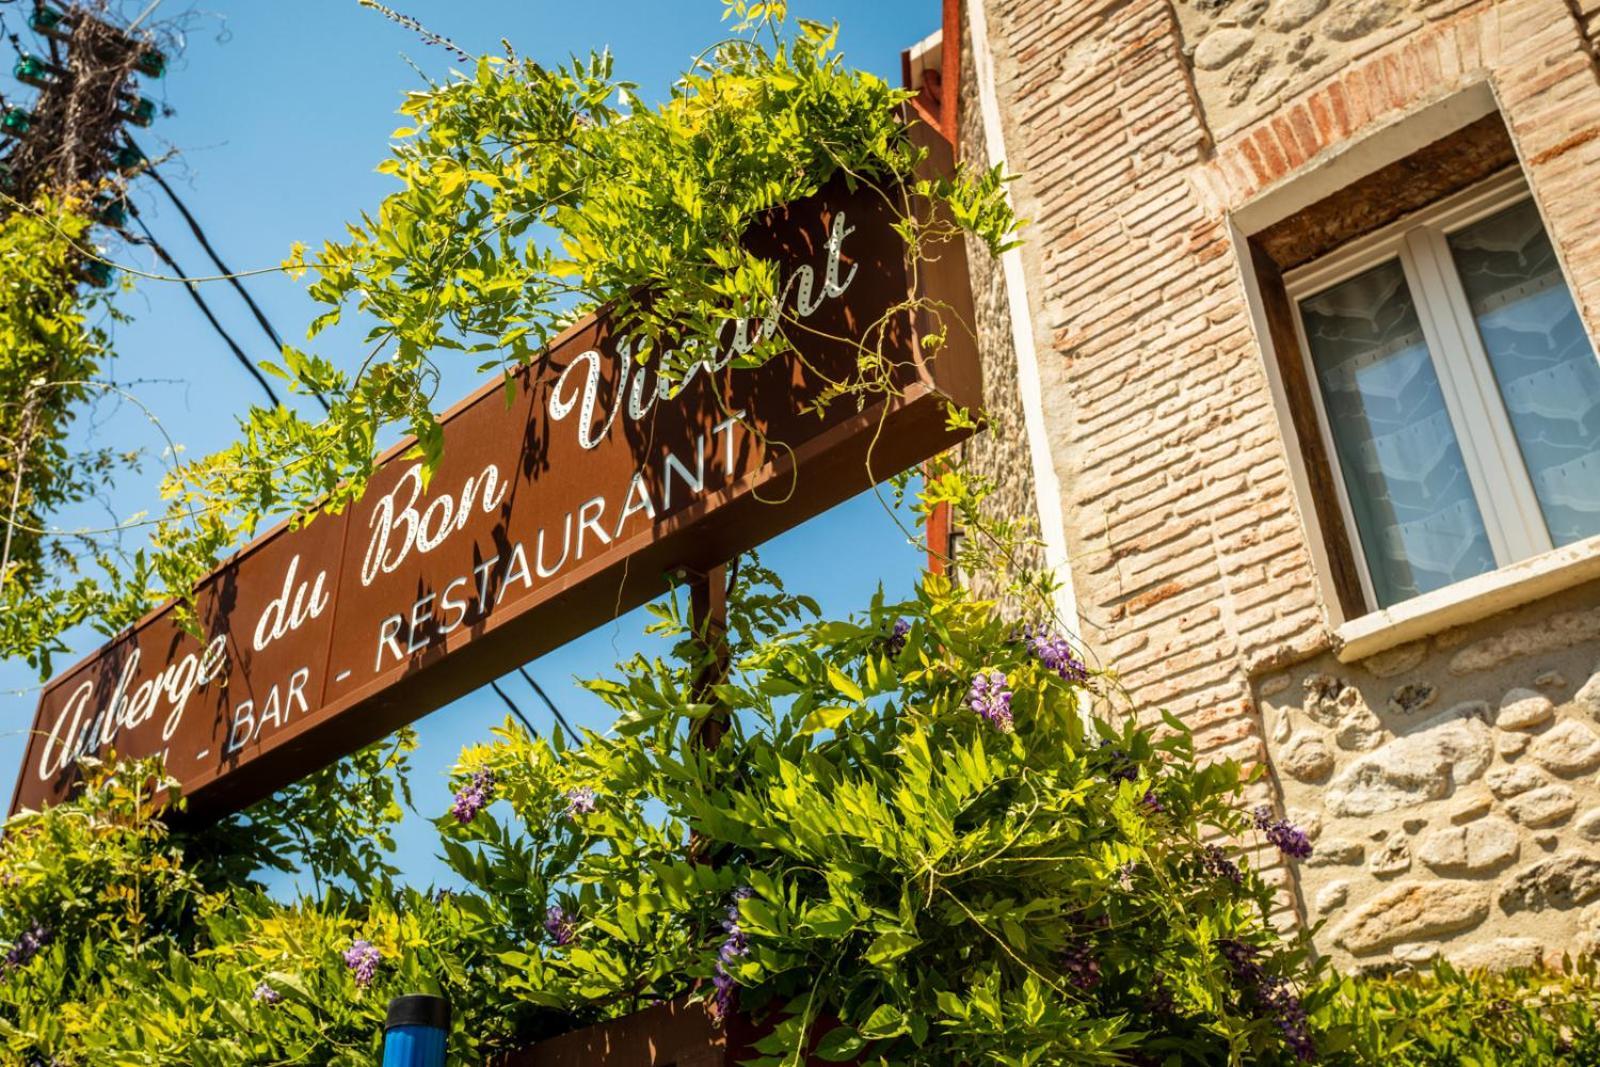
558, 504
708, 614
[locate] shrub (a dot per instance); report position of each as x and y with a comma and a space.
910, 827
130, 943
911, 845
1446, 1017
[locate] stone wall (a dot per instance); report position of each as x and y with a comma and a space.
1002, 452
1451, 788
1249, 56
1192, 563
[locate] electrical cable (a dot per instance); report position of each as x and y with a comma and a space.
551, 704
222, 268
205, 308
512, 704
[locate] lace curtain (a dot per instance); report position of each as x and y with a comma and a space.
1542, 362
1415, 513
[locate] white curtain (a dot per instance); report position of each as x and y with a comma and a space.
1415, 513
1542, 362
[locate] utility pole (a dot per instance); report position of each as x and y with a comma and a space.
72, 137
69, 141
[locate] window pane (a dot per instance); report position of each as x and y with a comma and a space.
1415, 512
1542, 362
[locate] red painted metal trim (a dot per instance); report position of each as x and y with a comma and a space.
938, 103
950, 95
938, 531
938, 99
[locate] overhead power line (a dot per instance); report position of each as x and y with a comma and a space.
551, 704
512, 704
205, 309
222, 268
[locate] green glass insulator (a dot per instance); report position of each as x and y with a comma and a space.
127, 158
15, 122
111, 211
31, 70
142, 112
48, 22
152, 64
97, 274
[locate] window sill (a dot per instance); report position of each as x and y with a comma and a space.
1468, 601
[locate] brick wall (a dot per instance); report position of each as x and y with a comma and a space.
1187, 551
1190, 553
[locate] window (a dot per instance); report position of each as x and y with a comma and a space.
1457, 395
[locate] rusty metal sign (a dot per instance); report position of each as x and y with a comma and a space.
547, 516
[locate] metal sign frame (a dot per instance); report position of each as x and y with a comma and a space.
323, 638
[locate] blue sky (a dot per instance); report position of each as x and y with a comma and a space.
282, 111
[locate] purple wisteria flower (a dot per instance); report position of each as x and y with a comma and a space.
27, 946
1081, 967
732, 948
559, 926
1159, 1000
990, 697
580, 801
1215, 862
362, 958
895, 643
1279, 1001
1121, 766
265, 994
1241, 961
1290, 839
1055, 652
1152, 802
1274, 997
474, 797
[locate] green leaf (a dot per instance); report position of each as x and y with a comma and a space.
825, 719
843, 685
885, 1021
890, 945
840, 1044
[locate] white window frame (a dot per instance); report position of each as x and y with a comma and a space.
1496, 470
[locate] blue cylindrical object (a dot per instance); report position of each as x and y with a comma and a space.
413, 1046
415, 1032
